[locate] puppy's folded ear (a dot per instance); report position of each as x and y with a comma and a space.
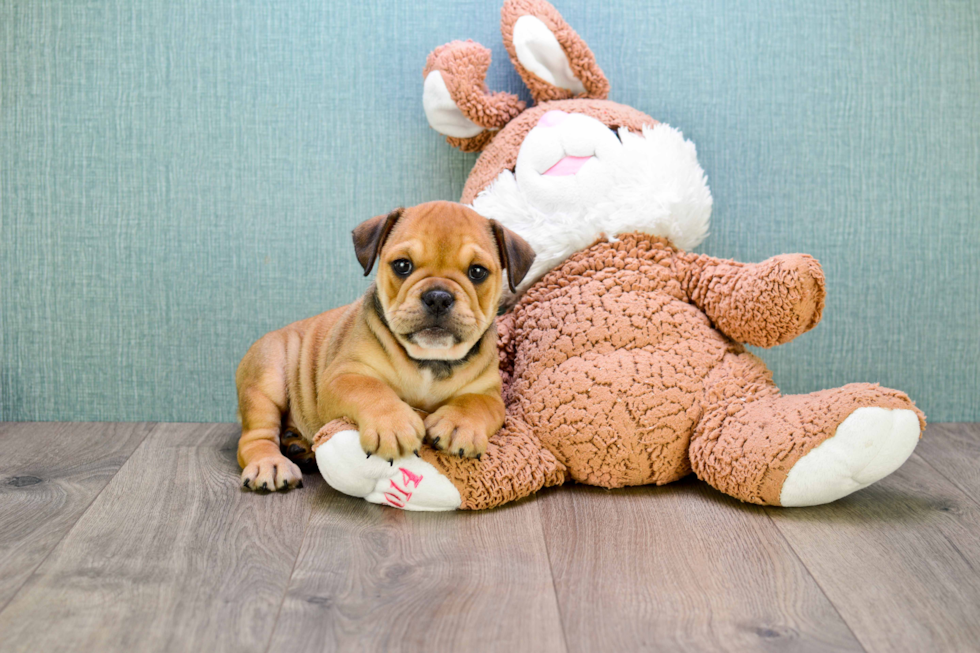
370, 237
515, 254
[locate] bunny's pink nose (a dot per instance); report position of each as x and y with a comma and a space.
552, 118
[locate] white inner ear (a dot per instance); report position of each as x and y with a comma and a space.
442, 113
539, 51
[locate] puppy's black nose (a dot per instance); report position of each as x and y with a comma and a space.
437, 302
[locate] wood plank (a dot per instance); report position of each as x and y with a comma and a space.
49, 474
953, 450
172, 555
376, 579
680, 567
900, 560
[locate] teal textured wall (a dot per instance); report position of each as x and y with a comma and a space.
181, 176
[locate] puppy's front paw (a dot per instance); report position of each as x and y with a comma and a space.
452, 430
271, 473
391, 433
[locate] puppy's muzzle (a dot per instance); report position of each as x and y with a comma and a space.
437, 302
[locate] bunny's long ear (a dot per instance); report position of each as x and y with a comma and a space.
456, 100
554, 61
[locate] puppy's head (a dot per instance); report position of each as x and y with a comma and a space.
440, 275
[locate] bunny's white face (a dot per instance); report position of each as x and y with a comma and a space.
575, 180
565, 161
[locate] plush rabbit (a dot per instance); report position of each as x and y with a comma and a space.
622, 358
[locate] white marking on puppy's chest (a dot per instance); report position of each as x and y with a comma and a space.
428, 380
421, 393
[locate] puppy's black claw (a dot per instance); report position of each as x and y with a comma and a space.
460, 452
245, 484
479, 456
416, 452
265, 486
435, 442
369, 455
300, 484
391, 462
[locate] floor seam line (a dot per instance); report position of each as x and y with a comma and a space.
551, 571
289, 579
47, 555
812, 576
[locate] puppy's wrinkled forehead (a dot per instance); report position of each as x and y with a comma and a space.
439, 233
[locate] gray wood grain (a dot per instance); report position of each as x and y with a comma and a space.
49, 474
680, 568
376, 579
172, 556
900, 560
953, 450
136, 537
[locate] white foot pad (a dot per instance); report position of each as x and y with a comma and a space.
868, 446
409, 483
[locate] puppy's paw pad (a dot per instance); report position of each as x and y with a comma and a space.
297, 449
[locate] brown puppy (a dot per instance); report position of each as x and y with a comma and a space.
421, 340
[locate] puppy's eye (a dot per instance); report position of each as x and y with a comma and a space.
477, 273
402, 267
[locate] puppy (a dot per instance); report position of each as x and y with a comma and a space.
416, 356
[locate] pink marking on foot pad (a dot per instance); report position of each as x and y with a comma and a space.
409, 477
567, 166
401, 496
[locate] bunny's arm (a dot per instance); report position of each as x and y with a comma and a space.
761, 304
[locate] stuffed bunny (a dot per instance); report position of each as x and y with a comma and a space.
622, 359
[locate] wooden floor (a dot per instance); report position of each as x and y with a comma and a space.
136, 537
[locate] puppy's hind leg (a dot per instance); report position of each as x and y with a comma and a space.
295, 447
262, 403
